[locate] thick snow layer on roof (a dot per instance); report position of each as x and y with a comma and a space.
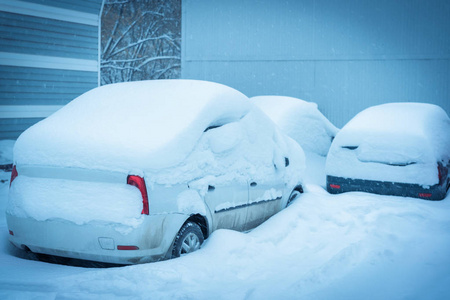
299, 119
414, 136
149, 124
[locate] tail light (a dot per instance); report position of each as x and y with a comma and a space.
139, 182
122, 247
440, 172
425, 195
14, 174
335, 186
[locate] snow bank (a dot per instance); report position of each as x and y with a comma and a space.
300, 120
413, 136
146, 124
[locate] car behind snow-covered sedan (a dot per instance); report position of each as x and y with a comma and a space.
398, 149
143, 171
301, 120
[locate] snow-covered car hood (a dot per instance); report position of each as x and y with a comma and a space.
148, 123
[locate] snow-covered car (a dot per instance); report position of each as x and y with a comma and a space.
398, 149
301, 120
144, 171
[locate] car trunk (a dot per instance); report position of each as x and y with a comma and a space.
75, 195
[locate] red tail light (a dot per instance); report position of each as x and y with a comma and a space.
121, 247
335, 186
14, 174
425, 195
139, 182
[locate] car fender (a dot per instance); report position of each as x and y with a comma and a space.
288, 192
190, 203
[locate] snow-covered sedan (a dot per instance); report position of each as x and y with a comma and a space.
144, 171
301, 120
398, 149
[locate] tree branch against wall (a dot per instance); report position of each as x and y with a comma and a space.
141, 39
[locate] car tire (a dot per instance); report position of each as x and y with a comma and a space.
189, 239
294, 196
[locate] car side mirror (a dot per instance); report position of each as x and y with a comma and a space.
286, 161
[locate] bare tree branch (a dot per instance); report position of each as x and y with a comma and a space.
141, 40
156, 58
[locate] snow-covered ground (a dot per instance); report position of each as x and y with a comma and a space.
347, 246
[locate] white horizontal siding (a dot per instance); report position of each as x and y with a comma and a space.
47, 62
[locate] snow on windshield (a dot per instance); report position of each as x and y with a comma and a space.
412, 135
149, 123
301, 120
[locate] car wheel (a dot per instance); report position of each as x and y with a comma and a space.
294, 195
189, 239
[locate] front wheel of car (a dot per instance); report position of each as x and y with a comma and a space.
294, 196
189, 239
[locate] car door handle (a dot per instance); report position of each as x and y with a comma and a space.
253, 184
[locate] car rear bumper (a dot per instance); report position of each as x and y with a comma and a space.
97, 241
336, 185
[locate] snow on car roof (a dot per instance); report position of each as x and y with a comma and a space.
299, 119
398, 118
132, 121
400, 125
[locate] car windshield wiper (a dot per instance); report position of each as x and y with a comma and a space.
394, 164
349, 147
212, 127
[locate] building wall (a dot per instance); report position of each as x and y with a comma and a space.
48, 56
344, 55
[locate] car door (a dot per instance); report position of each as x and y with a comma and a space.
266, 195
228, 205
264, 201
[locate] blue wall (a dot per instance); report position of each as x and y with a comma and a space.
35, 35
344, 55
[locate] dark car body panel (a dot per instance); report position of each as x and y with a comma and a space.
336, 185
